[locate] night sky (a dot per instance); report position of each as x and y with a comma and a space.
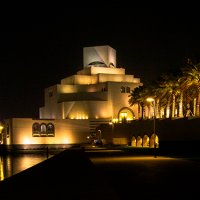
39, 46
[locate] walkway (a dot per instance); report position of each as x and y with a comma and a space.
78, 174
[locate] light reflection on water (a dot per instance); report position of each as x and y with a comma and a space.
13, 164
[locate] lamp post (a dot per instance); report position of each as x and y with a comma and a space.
99, 136
112, 126
1, 134
150, 99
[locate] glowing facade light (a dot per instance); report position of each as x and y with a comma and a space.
26, 141
115, 120
66, 141
150, 99
1, 128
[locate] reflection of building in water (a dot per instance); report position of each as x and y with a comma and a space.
13, 164
6, 169
72, 110
1, 170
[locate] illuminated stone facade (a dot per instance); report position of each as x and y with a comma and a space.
19, 131
98, 93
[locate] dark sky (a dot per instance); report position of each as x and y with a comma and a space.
39, 46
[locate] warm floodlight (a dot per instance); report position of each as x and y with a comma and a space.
1, 128
150, 99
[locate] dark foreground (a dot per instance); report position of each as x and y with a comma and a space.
103, 174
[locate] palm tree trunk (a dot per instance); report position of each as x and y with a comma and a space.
143, 111
168, 109
180, 113
139, 114
157, 114
198, 104
149, 112
195, 106
162, 112
173, 105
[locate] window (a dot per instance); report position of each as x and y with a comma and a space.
122, 89
50, 129
128, 90
36, 129
104, 89
43, 130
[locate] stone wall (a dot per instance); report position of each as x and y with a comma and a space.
182, 132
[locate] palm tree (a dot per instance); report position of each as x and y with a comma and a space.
171, 92
191, 78
169, 89
138, 96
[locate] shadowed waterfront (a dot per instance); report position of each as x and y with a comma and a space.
69, 175
12, 164
105, 174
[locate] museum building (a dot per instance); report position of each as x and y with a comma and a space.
72, 110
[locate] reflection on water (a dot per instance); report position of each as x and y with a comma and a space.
13, 164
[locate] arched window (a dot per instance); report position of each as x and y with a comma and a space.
154, 141
146, 141
43, 129
36, 129
97, 64
50, 129
139, 141
125, 114
133, 141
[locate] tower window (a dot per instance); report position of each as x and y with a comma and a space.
122, 89
104, 89
128, 90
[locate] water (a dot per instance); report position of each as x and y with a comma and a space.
13, 164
